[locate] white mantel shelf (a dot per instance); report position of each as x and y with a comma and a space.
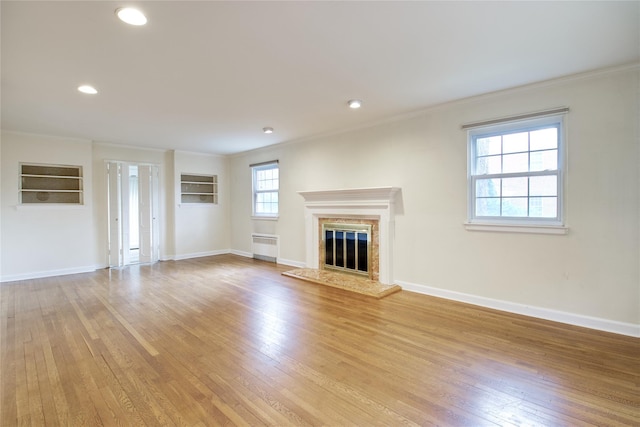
366, 203
351, 195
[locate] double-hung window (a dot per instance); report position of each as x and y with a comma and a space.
516, 172
266, 183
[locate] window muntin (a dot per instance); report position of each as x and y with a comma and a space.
515, 172
266, 183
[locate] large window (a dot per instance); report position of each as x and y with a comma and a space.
266, 182
515, 172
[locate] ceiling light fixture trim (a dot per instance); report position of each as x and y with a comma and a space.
267, 129
354, 103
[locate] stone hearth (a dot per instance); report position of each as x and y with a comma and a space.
347, 282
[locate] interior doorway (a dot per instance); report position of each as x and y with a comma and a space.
133, 213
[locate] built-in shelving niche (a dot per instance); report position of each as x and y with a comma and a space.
57, 184
198, 188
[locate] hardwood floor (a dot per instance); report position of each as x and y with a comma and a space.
227, 340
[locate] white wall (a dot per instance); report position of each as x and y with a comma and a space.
44, 240
290, 224
201, 229
590, 274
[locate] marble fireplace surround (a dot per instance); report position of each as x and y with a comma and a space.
377, 203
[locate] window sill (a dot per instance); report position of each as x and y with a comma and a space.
265, 218
517, 228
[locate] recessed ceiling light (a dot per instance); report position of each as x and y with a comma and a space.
267, 130
87, 89
131, 16
354, 103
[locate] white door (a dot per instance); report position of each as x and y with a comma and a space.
125, 213
114, 172
145, 194
155, 209
119, 214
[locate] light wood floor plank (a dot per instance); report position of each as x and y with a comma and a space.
227, 340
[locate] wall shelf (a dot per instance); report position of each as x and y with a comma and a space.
199, 188
41, 184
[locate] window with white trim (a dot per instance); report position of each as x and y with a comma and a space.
515, 172
266, 183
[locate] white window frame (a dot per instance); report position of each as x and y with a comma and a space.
517, 224
255, 168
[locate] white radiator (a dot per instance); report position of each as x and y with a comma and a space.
264, 246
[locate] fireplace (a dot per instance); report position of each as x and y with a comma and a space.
346, 247
351, 211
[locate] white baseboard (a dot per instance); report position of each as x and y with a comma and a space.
600, 324
48, 273
201, 254
291, 263
241, 253
282, 261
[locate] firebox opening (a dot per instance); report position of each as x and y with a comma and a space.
347, 247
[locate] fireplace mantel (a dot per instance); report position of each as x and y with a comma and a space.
355, 196
362, 203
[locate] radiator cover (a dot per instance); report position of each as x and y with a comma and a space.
265, 247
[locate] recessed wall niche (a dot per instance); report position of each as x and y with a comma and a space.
196, 188
40, 184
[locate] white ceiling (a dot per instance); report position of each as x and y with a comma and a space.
208, 76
